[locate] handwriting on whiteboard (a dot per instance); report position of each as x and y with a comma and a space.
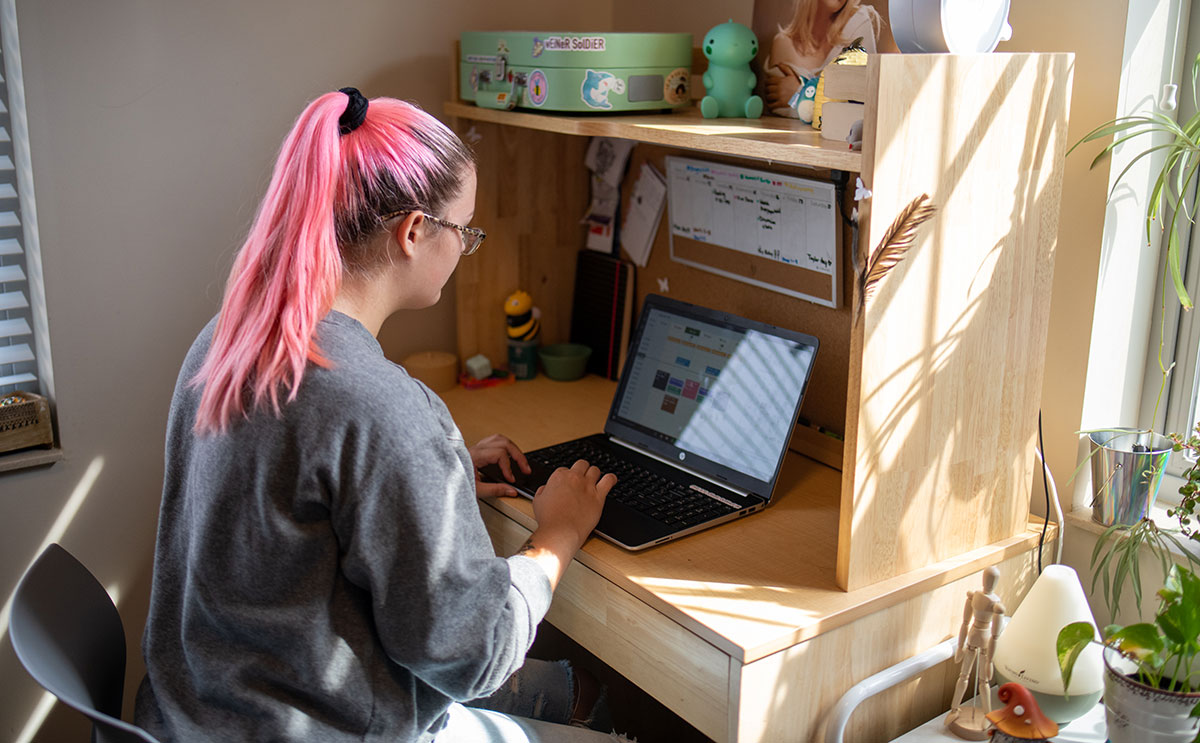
778, 217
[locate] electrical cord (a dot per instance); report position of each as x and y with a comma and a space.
1051, 500
1046, 488
841, 179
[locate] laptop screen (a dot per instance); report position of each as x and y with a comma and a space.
715, 392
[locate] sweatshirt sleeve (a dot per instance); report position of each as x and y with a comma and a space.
445, 606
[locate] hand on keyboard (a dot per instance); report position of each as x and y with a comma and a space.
502, 452
567, 508
572, 499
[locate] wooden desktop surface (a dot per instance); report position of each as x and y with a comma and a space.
750, 587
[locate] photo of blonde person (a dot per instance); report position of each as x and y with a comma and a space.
805, 36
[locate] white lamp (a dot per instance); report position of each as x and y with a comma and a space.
958, 26
1026, 651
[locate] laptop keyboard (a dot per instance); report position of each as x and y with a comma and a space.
641, 489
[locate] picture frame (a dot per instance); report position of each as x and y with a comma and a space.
790, 58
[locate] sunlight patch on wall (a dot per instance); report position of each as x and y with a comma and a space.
67, 515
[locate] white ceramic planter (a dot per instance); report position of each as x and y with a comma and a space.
1136, 713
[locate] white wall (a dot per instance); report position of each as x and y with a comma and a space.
155, 125
1097, 45
695, 17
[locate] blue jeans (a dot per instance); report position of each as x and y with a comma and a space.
533, 706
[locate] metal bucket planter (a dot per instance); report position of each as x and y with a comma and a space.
1136, 713
1127, 470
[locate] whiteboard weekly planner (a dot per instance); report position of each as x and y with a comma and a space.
767, 229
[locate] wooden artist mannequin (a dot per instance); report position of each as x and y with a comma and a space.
976, 643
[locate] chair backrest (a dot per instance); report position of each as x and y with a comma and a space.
68, 635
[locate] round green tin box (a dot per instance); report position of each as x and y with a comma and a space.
576, 72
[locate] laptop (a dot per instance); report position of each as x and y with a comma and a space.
698, 428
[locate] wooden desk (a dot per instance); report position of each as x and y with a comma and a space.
741, 629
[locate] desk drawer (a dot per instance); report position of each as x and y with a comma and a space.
670, 663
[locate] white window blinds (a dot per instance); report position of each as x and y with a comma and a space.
24, 344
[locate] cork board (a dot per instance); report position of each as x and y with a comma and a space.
768, 229
825, 402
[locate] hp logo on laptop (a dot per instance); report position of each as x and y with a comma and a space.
681, 456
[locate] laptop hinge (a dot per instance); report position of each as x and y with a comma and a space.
689, 470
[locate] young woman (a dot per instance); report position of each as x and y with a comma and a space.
818, 31
321, 571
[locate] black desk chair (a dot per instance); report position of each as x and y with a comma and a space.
69, 637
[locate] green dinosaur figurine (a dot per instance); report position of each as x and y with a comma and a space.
729, 82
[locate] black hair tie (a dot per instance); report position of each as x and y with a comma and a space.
355, 113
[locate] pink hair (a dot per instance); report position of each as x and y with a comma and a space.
325, 200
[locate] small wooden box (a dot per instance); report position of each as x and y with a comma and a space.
24, 421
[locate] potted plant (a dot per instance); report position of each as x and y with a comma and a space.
1116, 559
1151, 682
1179, 143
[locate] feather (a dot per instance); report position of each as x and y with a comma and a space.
894, 246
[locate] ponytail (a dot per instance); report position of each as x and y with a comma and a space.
324, 201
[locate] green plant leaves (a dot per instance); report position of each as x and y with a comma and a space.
1173, 262
1190, 492
1116, 560
1164, 650
1176, 175
1139, 641
1072, 639
1179, 615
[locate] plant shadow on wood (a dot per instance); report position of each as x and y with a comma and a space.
952, 422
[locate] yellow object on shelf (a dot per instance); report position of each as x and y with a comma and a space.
437, 369
856, 57
521, 317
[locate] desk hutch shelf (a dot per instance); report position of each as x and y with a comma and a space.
771, 138
935, 385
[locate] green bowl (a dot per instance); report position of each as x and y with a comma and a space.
564, 361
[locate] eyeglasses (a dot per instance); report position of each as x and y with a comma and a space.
472, 237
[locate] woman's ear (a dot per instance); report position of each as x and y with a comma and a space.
409, 232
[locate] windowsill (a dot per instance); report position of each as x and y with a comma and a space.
28, 458
1081, 518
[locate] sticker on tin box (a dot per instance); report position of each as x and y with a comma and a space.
537, 88
597, 86
538, 47
675, 87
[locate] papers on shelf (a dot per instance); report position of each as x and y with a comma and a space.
606, 158
645, 212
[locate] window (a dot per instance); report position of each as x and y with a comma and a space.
24, 340
1178, 331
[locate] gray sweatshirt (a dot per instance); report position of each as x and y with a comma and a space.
325, 575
